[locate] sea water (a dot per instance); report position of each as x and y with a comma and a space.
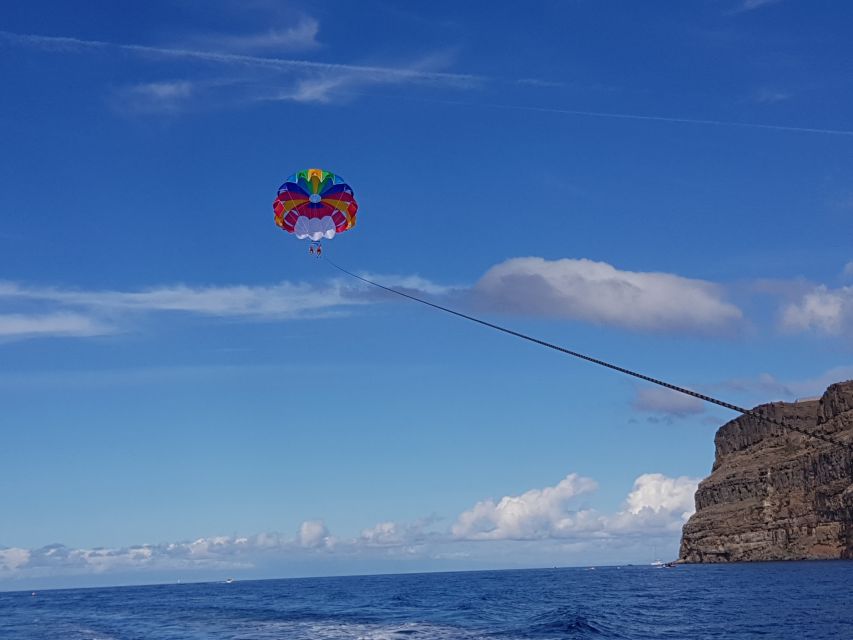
768, 600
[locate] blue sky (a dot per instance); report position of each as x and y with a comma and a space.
186, 394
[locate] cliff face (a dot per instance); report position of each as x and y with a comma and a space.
774, 494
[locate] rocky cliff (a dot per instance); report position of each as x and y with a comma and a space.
775, 494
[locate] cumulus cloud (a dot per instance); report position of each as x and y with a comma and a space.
383, 533
214, 552
657, 505
667, 402
600, 293
58, 559
822, 310
808, 307
538, 513
314, 534
395, 534
656, 502
13, 558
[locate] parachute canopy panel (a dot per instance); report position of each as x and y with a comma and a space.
315, 204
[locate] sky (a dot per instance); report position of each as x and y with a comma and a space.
186, 394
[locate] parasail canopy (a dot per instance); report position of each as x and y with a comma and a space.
315, 204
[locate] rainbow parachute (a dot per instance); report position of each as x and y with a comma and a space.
315, 204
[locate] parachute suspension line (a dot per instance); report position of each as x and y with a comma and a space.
661, 383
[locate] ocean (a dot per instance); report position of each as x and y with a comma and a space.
769, 600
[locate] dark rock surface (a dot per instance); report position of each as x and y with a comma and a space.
775, 494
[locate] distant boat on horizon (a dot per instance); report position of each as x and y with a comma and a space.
229, 580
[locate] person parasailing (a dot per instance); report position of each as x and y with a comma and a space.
314, 205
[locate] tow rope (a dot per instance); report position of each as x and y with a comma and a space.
661, 383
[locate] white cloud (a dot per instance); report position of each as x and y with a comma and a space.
319, 79
335, 86
302, 35
538, 513
278, 301
283, 300
657, 501
612, 115
215, 552
766, 95
397, 534
260, 78
749, 5
656, 506
57, 559
383, 533
165, 90
413, 284
313, 89
60, 324
822, 310
666, 401
600, 293
538, 82
284, 64
171, 96
847, 272
314, 534
577, 289
158, 96
770, 388
12, 559
82, 313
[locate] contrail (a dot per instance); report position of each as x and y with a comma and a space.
387, 73
636, 116
60, 42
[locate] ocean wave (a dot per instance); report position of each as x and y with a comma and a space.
336, 630
568, 622
784, 601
